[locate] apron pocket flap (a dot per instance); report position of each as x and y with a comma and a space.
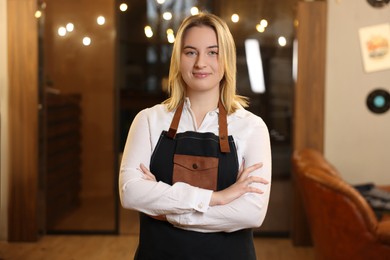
195, 163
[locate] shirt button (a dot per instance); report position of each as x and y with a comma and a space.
211, 113
200, 205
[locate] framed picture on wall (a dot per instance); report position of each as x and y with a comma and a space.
375, 47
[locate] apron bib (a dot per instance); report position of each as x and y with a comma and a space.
159, 240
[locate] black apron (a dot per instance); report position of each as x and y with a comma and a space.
160, 240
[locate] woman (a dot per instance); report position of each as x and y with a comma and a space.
185, 163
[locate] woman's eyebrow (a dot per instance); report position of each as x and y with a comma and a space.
189, 47
192, 47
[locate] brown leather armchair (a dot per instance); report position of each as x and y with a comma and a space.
342, 224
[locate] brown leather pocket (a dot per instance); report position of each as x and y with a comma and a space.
198, 171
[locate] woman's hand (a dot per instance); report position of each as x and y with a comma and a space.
240, 187
147, 174
150, 176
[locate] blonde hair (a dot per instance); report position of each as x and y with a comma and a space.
227, 58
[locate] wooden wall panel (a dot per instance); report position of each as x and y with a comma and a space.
308, 126
23, 120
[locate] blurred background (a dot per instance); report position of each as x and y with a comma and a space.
102, 62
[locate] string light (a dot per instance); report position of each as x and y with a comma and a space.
170, 36
167, 16
61, 31
235, 18
194, 10
87, 41
70, 27
123, 7
260, 28
148, 31
38, 14
282, 41
101, 20
264, 23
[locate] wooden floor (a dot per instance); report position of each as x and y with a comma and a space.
122, 247
115, 247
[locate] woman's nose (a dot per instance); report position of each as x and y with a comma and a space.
200, 62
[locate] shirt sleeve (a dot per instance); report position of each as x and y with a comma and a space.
150, 197
249, 210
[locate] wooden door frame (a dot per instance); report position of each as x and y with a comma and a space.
23, 120
309, 100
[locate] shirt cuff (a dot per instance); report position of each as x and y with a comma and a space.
202, 200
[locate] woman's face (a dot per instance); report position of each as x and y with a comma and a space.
199, 63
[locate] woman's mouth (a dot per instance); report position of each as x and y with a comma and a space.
200, 75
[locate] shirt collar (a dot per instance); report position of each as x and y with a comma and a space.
187, 105
240, 112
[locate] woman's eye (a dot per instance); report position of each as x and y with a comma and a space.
213, 53
190, 53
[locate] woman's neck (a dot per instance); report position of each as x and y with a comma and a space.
203, 101
202, 104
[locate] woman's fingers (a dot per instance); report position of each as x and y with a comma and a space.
256, 179
246, 181
244, 174
254, 167
252, 189
143, 168
242, 186
147, 174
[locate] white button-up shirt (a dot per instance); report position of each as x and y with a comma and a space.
185, 206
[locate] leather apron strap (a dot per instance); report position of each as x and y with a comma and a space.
175, 121
222, 122
223, 130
